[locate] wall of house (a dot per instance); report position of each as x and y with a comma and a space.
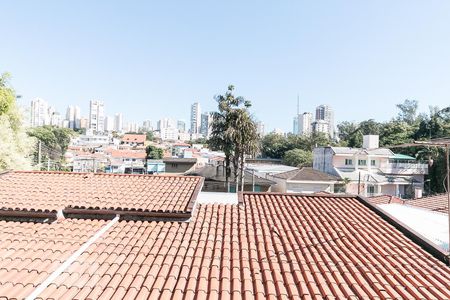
323, 160
389, 189
280, 186
177, 167
298, 187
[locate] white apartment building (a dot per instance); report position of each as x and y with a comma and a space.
118, 122
70, 116
321, 126
97, 116
109, 123
39, 113
304, 123
372, 170
169, 134
195, 118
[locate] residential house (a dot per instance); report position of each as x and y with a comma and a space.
133, 139
179, 165
372, 170
179, 148
306, 180
148, 237
127, 162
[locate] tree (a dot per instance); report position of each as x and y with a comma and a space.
274, 145
15, 145
298, 158
233, 131
408, 111
154, 152
54, 141
395, 132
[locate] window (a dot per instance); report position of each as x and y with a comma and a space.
362, 162
348, 162
372, 162
370, 190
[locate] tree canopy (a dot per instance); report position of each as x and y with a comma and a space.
15, 146
154, 152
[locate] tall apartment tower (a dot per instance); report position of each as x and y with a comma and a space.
118, 122
325, 113
304, 123
97, 116
39, 113
195, 118
206, 122
77, 117
70, 116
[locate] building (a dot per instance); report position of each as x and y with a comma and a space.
371, 170
305, 123
118, 122
97, 116
179, 165
181, 126
321, 126
147, 126
77, 117
306, 180
109, 124
169, 134
295, 125
70, 116
56, 120
195, 119
132, 127
166, 123
39, 113
159, 237
206, 123
260, 128
326, 114
133, 139
84, 123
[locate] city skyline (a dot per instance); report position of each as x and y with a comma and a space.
154, 64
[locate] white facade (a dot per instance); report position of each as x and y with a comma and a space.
321, 126
70, 116
109, 123
195, 118
132, 127
118, 122
304, 123
147, 125
56, 120
39, 113
97, 116
169, 134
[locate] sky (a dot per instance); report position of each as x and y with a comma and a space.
153, 59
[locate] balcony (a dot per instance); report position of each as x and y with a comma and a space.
404, 168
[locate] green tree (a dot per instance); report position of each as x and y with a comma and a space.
154, 152
395, 133
274, 145
298, 158
15, 145
54, 141
408, 111
233, 131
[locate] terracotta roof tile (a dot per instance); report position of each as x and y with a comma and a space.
134, 138
435, 203
57, 190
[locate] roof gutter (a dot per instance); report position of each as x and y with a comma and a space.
40, 288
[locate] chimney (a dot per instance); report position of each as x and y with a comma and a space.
371, 142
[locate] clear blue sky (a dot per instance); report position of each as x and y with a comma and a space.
150, 60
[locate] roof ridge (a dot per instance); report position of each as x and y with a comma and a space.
95, 174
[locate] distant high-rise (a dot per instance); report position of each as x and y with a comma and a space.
295, 125
181, 126
205, 124
118, 122
77, 117
97, 116
325, 113
147, 125
70, 116
195, 118
39, 113
109, 123
260, 128
304, 123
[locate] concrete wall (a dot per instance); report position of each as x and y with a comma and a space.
323, 160
308, 187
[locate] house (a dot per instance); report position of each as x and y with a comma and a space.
306, 180
147, 237
372, 170
179, 165
215, 180
127, 161
133, 139
178, 149
155, 166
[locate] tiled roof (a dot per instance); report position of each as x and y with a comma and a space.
306, 174
435, 203
128, 154
58, 190
134, 138
385, 199
274, 246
